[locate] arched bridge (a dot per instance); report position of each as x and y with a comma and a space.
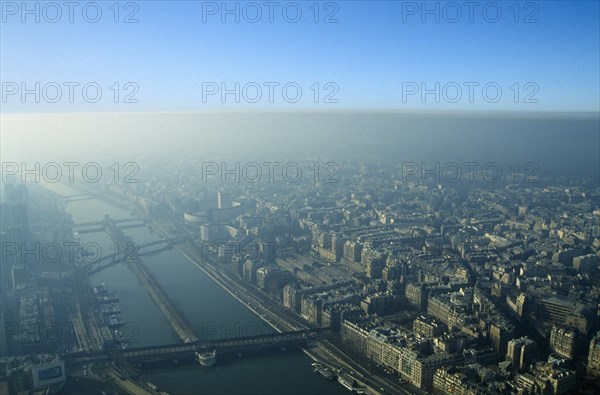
131, 250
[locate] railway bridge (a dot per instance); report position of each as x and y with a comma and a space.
179, 350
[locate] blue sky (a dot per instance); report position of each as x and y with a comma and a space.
373, 57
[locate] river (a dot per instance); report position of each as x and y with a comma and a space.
212, 312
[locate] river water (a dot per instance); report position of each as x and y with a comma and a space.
211, 311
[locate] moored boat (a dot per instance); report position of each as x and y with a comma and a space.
208, 358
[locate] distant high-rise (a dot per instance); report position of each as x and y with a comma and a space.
19, 275
224, 200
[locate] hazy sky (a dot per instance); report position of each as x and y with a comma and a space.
373, 55
558, 145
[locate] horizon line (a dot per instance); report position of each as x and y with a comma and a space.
316, 111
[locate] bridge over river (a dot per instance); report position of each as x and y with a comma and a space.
131, 250
78, 197
179, 350
127, 249
99, 226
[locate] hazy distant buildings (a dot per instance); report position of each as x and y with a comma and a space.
217, 232
224, 200
251, 267
19, 276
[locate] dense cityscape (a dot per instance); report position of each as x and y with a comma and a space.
321, 197
393, 279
